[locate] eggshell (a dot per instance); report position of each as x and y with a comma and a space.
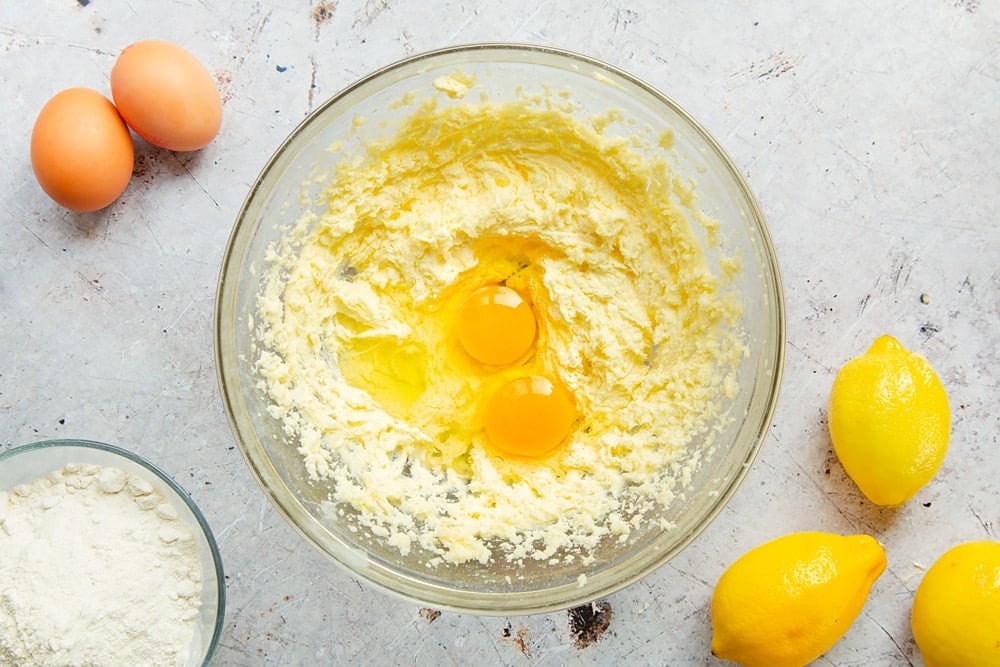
81, 150
165, 94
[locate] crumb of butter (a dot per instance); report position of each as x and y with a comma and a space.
455, 85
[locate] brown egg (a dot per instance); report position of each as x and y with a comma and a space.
166, 95
81, 150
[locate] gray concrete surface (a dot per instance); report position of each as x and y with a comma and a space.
868, 131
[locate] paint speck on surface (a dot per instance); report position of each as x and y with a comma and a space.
83, 3
968, 5
587, 623
224, 81
281, 68
925, 298
519, 638
143, 165
430, 614
928, 330
323, 12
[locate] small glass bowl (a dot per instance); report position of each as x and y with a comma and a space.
27, 463
287, 188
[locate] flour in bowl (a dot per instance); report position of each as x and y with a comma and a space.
95, 569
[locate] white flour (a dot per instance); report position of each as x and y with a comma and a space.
95, 569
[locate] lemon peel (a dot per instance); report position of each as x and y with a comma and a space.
956, 609
786, 602
889, 421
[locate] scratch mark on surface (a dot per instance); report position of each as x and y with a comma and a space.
260, 516
91, 49
254, 36
404, 39
20, 39
899, 648
901, 272
496, 649
847, 151
312, 82
863, 304
987, 526
768, 68
222, 533
371, 11
899, 275
946, 129
462, 26
687, 575
152, 234
33, 233
810, 357
623, 18
184, 310
403, 632
197, 182
530, 20
94, 285
984, 69
812, 480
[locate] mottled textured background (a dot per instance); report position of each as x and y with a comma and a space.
868, 131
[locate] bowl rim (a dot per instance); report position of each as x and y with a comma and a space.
397, 582
178, 491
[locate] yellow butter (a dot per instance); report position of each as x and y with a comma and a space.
360, 358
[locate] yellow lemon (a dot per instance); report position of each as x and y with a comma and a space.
956, 609
785, 602
889, 421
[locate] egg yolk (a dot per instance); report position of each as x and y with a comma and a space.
529, 416
496, 325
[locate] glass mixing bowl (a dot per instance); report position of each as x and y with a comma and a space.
24, 464
288, 187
